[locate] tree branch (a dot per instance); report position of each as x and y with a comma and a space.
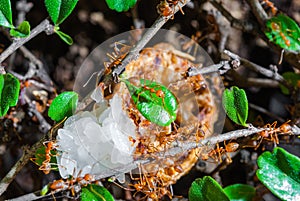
258, 11
134, 52
246, 26
257, 68
17, 43
28, 153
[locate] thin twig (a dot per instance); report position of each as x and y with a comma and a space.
243, 81
36, 67
264, 111
257, 68
258, 11
246, 26
221, 67
43, 26
134, 52
23, 7
28, 153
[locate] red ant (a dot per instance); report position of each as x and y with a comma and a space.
164, 9
64, 184
270, 132
276, 27
219, 151
148, 185
271, 5
174, 3
46, 165
167, 7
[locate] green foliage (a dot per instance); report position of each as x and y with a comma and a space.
206, 189
40, 157
65, 37
235, 104
59, 10
120, 5
9, 92
95, 193
292, 78
23, 30
161, 110
6, 14
280, 173
284, 32
240, 192
44, 190
64, 105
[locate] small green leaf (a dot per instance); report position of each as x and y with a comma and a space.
206, 189
59, 10
64, 105
44, 190
280, 173
284, 32
235, 104
6, 14
161, 110
95, 193
22, 31
65, 37
9, 92
292, 78
120, 5
240, 192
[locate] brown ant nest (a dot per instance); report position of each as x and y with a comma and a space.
196, 115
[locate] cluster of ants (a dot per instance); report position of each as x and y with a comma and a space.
269, 134
149, 184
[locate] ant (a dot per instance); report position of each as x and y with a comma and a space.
276, 27
217, 153
270, 132
167, 7
150, 185
271, 5
46, 166
164, 9
64, 184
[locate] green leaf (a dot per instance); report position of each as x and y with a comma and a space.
40, 157
9, 92
44, 190
159, 109
235, 104
95, 193
240, 192
59, 10
65, 37
280, 173
64, 105
206, 189
22, 31
292, 78
6, 14
284, 32
120, 5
